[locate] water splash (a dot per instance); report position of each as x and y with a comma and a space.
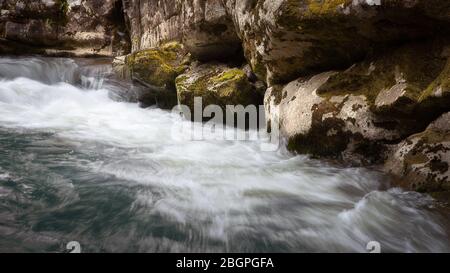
110, 175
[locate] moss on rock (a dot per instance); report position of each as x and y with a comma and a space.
216, 84
291, 38
410, 81
159, 66
324, 7
63, 8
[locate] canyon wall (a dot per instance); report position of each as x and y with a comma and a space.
63, 27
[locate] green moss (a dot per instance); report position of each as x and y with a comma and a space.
442, 82
356, 82
171, 47
63, 7
259, 69
322, 7
229, 75
216, 85
425, 155
309, 14
159, 66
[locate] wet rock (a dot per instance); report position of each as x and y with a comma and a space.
156, 69
216, 84
423, 159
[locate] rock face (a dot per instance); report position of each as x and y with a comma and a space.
216, 84
360, 110
63, 27
423, 159
286, 39
203, 26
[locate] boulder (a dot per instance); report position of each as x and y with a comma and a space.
217, 84
156, 69
423, 159
159, 66
341, 126
356, 113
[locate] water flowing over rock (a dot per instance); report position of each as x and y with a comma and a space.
346, 79
216, 84
71, 152
156, 69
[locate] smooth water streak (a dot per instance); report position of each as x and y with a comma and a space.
78, 165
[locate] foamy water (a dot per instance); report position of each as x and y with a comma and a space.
78, 165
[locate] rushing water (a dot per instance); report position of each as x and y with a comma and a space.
77, 164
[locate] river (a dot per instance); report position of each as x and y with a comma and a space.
79, 163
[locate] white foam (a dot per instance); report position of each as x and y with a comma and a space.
222, 187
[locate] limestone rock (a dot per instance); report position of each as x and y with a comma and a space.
156, 69
63, 27
285, 39
159, 66
204, 26
216, 84
423, 159
338, 126
361, 110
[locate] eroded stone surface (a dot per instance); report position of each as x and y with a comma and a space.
63, 27
156, 69
423, 160
366, 107
217, 84
285, 39
204, 26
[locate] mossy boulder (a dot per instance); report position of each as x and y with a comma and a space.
422, 161
355, 114
159, 66
156, 70
217, 84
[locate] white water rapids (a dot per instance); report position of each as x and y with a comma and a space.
77, 164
